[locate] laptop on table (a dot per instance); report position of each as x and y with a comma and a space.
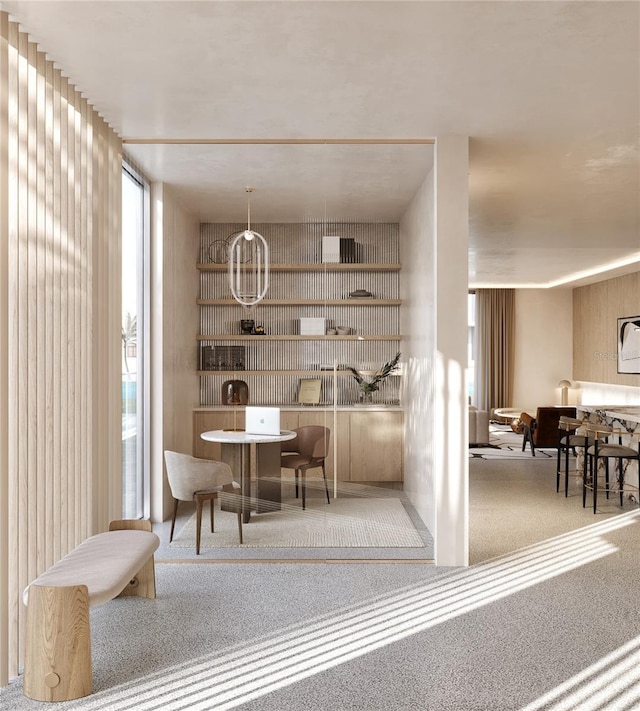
262, 421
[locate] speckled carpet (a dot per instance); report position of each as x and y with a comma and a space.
546, 619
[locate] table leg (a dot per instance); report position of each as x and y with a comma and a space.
268, 477
238, 457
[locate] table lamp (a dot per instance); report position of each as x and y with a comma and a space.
565, 385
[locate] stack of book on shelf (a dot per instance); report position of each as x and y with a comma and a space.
337, 249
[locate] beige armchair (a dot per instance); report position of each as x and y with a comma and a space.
200, 480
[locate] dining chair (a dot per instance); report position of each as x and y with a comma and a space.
307, 451
201, 480
603, 450
568, 439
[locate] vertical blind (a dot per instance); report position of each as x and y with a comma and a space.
60, 182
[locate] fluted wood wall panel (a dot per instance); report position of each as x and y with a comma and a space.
60, 184
596, 309
300, 243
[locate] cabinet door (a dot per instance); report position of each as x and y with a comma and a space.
206, 421
376, 446
288, 420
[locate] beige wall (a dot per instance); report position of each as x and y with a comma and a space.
418, 314
596, 308
60, 352
543, 346
434, 285
175, 385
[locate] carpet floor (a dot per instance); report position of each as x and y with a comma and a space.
345, 522
546, 619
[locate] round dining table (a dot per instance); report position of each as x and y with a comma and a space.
236, 450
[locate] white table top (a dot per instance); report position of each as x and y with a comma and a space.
241, 437
627, 413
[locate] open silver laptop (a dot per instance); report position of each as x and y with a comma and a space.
262, 421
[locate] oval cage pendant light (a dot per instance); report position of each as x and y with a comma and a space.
249, 264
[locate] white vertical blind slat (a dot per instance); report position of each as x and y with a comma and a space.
60, 185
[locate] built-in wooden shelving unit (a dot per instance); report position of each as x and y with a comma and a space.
301, 286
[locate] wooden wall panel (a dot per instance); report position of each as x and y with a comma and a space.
596, 308
60, 183
5, 279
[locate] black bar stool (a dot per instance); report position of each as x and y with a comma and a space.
569, 440
606, 450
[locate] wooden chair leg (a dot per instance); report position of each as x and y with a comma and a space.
326, 488
198, 522
173, 519
303, 473
211, 502
240, 523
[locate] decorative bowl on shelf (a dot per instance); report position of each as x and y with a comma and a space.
360, 294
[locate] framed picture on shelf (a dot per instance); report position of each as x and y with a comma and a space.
309, 391
629, 344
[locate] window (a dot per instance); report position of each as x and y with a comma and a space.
135, 406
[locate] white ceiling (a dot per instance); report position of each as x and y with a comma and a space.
548, 92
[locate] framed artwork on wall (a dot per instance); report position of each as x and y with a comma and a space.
629, 344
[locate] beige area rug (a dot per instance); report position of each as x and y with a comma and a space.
347, 522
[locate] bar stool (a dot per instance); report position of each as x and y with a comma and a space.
605, 450
568, 439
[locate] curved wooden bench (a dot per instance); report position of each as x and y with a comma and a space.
57, 665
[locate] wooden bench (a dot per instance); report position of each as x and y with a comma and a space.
57, 665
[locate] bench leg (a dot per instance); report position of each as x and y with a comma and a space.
57, 663
143, 583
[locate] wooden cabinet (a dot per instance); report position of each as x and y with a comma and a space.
369, 443
375, 446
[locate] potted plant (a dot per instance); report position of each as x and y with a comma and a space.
369, 386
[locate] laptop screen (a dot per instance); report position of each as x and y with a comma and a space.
262, 420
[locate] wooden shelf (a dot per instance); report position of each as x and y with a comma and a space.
297, 373
306, 302
279, 337
311, 267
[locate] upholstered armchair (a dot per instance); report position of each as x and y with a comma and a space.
542, 430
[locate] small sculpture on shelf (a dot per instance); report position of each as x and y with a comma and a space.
235, 392
369, 386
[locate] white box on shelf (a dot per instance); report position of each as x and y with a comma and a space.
313, 326
330, 248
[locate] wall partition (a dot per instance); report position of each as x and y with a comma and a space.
60, 428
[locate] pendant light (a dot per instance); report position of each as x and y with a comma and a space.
249, 264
